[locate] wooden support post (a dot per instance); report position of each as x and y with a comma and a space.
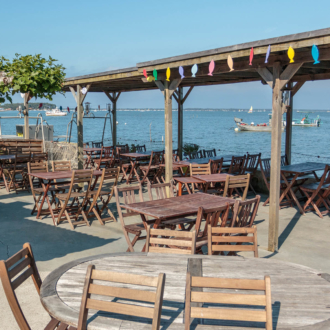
79, 97
275, 169
277, 82
180, 121
27, 98
288, 129
113, 98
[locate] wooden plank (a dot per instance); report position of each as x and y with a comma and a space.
227, 230
227, 283
232, 247
19, 267
266, 75
170, 233
229, 298
16, 257
124, 278
155, 249
288, 129
296, 87
119, 308
180, 121
228, 314
21, 278
288, 73
232, 239
122, 293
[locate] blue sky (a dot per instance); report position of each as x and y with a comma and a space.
100, 35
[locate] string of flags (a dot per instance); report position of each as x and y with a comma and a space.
230, 63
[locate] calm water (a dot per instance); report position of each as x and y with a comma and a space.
208, 129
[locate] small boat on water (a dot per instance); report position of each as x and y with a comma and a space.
56, 112
263, 127
307, 122
251, 110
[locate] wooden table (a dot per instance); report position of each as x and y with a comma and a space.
184, 181
2, 159
90, 152
226, 158
297, 171
50, 177
211, 178
300, 296
176, 207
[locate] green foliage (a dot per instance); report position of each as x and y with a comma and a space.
190, 147
35, 74
132, 148
4, 89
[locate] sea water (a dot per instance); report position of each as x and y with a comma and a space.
207, 128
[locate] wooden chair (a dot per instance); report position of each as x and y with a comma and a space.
104, 192
62, 165
171, 241
284, 160
317, 194
209, 153
138, 296
245, 212
76, 207
251, 166
141, 148
39, 157
228, 293
237, 165
15, 271
199, 169
237, 182
216, 166
196, 154
107, 158
159, 190
222, 239
97, 144
15, 173
150, 172
130, 195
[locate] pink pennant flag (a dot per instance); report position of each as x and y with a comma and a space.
211, 68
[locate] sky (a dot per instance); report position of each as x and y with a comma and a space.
101, 35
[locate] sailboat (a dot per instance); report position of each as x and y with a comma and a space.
251, 110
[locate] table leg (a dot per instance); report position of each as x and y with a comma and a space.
180, 189
289, 189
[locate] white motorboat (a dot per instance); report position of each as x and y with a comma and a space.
56, 112
263, 127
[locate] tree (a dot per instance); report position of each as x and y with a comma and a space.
34, 76
4, 80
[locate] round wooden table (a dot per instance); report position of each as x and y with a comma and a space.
300, 296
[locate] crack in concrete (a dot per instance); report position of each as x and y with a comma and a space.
7, 248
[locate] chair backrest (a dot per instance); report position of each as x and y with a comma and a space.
159, 190
61, 165
97, 144
123, 293
33, 168
14, 150
196, 154
221, 239
141, 148
209, 153
200, 169
265, 170
325, 179
171, 241
229, 293
121, 149
13, 272
111, 176
22, 158
284, 160
251, 163
245, 212
234, 182
39, 157
157, 157
237, 165
129, 195
107, 152
216, 166
216, 216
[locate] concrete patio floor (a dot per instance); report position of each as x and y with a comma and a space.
303, 240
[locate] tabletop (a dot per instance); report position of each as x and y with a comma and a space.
306, 167
300, 296
58, 175
187, 179
92, 149
178, 206
7, 157
136, 154
217, 177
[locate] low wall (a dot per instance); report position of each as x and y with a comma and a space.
62, 151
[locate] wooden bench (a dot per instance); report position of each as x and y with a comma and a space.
24, 146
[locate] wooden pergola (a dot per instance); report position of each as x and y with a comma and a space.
278, 73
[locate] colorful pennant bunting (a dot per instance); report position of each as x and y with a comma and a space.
291, 54
194, 70
211, 68
315, 54
251, 56
230, 63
